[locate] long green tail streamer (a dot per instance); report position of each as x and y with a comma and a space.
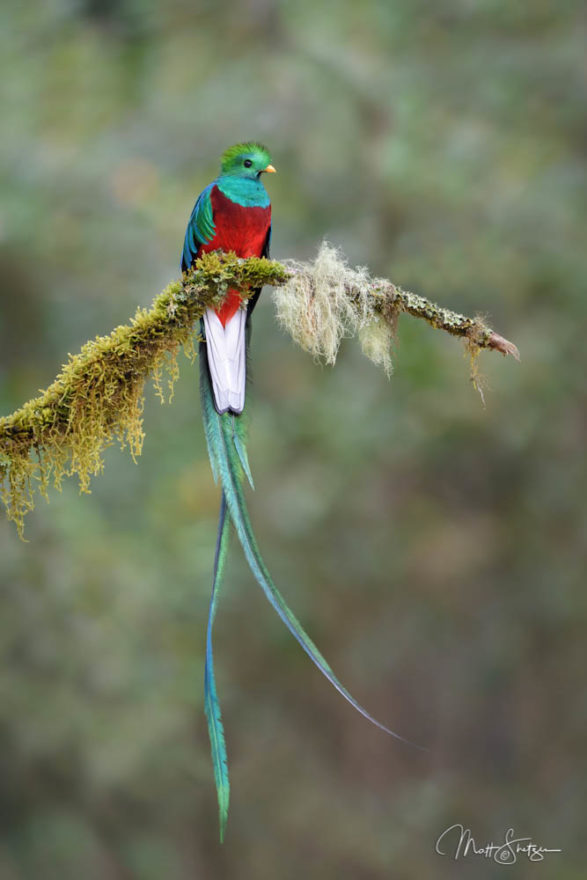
226, 463
225, 436
211, 704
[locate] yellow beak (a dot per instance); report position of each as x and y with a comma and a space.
270, 169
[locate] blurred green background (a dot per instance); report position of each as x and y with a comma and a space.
433, 548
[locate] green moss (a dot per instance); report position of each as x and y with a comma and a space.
97, 399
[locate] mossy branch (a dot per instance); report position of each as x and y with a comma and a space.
98, 396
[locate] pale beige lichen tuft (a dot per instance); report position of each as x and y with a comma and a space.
327, 300
376, 338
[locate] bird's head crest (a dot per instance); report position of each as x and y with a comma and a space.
248, 159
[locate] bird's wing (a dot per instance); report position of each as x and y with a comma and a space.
200, 229
252, 301
267, 246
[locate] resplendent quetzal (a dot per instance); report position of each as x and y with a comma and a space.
233, 213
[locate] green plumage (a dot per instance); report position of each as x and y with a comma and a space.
203, 219
225, 436
250, 149
211, 704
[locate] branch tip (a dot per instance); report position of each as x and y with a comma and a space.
499, 343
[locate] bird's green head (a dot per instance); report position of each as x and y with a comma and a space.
246, 160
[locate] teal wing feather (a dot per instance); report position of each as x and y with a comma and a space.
200, 229
211, 704
227, 463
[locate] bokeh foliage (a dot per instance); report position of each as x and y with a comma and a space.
434, 549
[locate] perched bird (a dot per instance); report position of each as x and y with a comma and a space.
233, 213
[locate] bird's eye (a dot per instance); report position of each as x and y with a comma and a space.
247, 163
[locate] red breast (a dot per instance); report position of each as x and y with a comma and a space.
240, 229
